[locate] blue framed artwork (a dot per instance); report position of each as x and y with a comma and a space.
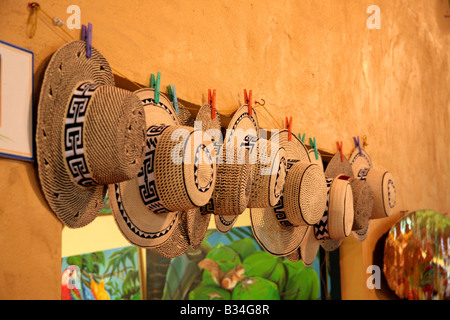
16, 102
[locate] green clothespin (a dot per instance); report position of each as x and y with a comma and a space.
156, 84
302, 138
173, 97
314, 146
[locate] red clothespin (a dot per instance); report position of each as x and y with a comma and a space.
289, 127
339, 146
86, 36
212, 102
248, 100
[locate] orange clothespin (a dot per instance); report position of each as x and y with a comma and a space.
339, 146
248, 101
212, 102
289, 127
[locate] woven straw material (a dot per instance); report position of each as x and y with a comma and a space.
336, 167
197, 225
179, 241
363, 203
139, 225
384, 192
204, 116
317, 161
225, 223
233, 183
184, 185
269, 175
309, 248
269, 225
361, 235
305, 194
115, 134
340, 211
74, 205
294, 256
185, 116
360, 161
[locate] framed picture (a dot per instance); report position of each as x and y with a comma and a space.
102, 275
16, 102
199, 274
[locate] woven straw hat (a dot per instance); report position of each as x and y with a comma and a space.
337, 222
148, 208
380, 181
234, 172
89, 133
363, 205
269, 174
271, 226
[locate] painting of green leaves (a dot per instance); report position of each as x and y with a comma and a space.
230, 266
104, 275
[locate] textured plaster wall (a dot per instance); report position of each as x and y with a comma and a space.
313, 60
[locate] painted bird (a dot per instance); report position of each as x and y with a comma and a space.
69, 290
99, 291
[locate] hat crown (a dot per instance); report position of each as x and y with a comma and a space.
104, 135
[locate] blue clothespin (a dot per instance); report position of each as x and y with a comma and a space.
358, 144
302, 138
156, 84
173, 96
86, 36
314, 146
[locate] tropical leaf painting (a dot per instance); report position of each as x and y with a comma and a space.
104, 275
233, 266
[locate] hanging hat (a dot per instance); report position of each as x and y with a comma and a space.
363, 205
274, 228
89, 133
269, 174
234, 173
380, 181
178, 174
337, 222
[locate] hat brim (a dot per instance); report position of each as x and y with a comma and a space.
75, 206
274, 238
165, 232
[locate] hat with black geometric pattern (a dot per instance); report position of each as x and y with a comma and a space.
89, 133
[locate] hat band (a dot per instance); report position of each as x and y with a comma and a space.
321, 231
197, 156
130, 224
282, 166
279, 211
146, 176
73, 134
362, 174
249, 142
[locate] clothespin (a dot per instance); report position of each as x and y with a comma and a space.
302, 138
289, 127
339, 146
173, 97
86, 36
314, 147
248, 100
212, 102
156, 84
357, 144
